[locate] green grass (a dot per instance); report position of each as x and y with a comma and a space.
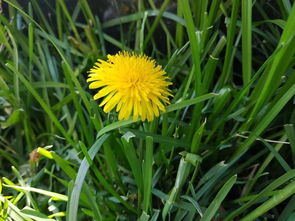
224, 149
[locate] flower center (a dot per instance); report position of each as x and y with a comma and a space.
134, 82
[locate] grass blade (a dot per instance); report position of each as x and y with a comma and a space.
187, 103
291, 136
148, 174
74, 198
43, 104
54, 196
215, 204
231, 32
278, 182
282, 195
113, 126
247, 40
133, 160
272, 113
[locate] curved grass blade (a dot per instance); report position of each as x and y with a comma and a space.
113, 126
139, 15
74, 198
186, 103
215, 204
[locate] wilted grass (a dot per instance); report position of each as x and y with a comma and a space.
224, 149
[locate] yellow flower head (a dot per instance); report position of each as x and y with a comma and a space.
134, 84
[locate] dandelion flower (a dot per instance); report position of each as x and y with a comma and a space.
132, 84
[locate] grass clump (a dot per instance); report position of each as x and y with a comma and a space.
223, 149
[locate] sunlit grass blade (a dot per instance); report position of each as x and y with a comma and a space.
288, 213
55, 196
280, 63
194, 43
74, 198
282, 195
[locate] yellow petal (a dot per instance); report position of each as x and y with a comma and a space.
112, 103
97, 84
107, 99
103, 92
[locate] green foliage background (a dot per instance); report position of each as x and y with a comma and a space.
223, 150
